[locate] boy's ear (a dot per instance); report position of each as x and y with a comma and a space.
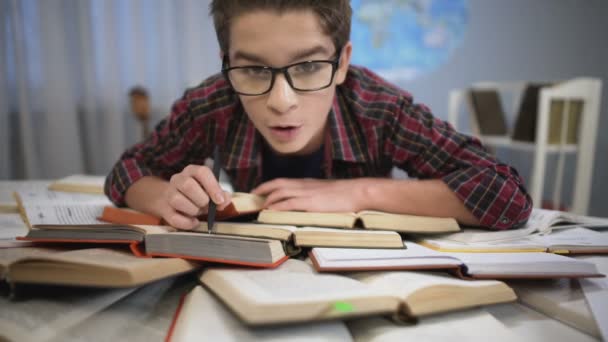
347, 51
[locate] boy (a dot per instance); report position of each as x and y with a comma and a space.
302, 127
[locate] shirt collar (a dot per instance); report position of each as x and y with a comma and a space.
345, 138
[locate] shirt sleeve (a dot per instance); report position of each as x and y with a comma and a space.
426, 147
162, 154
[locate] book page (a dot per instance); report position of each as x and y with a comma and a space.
10, 255
45, 196
523, 244
561, 299
219, 324
12, 226
301, 218
582, 237
294, 282
42, 318
405, 283
596, 293
8, 187
260, 230
413, 255
523, 264
540, 220
64, 214
275, 296
464, 325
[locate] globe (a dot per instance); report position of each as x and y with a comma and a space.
402, 39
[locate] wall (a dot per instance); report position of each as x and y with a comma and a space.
539, 40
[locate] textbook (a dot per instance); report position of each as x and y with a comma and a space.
79, 223
564, 241
541, 221
367, 219
79, 183
464, 265
8, 204
98, 267
202, 314
487, 112
295, 293
165, 241
293, 237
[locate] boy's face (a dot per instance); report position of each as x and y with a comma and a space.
291, 122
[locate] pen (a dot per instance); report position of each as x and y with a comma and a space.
212, 205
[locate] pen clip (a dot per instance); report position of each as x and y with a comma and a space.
212, 206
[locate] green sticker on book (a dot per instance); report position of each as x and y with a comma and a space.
343, 307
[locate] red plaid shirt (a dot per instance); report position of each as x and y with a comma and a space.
373, 127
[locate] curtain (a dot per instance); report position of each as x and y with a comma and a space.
66, 70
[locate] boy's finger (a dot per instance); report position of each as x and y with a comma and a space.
210, 185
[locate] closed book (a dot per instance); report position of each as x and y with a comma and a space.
90, 184
487, 110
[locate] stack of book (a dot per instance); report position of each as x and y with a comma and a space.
358, 263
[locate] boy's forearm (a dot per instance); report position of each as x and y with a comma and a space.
415, 197
146, 195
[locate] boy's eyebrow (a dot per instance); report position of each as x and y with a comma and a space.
296, 56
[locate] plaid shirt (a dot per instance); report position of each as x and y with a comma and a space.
373, 127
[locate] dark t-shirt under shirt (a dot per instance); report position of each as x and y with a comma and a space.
277, 166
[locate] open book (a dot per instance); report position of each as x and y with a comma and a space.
293, 237
79, 183
202, 314
368, 220
464, 265
79, 223
295, 293
560, 299
564, 241
8, 204
101, 267
541, 221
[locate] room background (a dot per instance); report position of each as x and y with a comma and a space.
67, 67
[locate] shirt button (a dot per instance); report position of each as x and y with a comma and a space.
504, 220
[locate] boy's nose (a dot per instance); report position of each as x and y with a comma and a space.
282, 98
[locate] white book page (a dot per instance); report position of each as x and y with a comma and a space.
512, 244
58, 197
405, 283
464, 325
204, 315
596, 293
523, 263
573, 237
64, 214
541, 221
413, 255
42, 318
8, 187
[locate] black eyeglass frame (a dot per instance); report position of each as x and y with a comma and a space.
335, 63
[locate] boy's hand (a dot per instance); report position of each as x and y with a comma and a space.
188, 196
313, 194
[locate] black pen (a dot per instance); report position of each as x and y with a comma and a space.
212, 205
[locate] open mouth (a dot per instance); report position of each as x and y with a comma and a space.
285, 132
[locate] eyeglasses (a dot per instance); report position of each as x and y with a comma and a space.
254, 80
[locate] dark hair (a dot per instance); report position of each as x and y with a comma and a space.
138, 91
334, 16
